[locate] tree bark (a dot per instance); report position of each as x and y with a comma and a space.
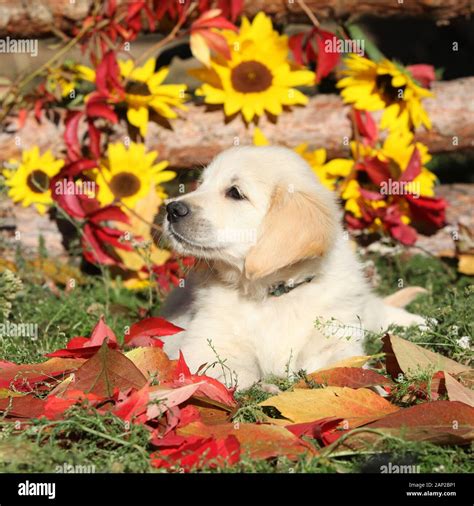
36, 17
200, 134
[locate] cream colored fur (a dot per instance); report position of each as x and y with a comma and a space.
288, 228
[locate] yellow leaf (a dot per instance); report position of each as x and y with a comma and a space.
200, 49
357, 407
466, 264
356, 361
5, 393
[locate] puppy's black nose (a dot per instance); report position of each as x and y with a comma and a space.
176, 210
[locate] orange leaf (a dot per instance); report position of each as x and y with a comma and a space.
442, 422
258, 441
353, 377
32, 373
152, 362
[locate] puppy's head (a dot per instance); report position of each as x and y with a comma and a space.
258, 209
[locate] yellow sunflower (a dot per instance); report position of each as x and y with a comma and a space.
145, 90
397, 149
67, 78
258, 77
128, 174
29, 182
374, 86
145, 253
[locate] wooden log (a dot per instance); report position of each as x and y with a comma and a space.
38, 17
199, 134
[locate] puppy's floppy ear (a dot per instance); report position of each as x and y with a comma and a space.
297, 226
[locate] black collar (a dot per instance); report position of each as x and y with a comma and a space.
283, 287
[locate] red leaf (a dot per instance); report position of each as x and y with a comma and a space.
370, 195
71, 135
210, 389
101, 333
296, 45
189, 414
212, 21
101, 110
443, 422
413, 168
404, 233
22, 115
134, 8
109, 213
258, 441
94, 139
75, 168
82, 347
92, 248
111, 236
144, 333
431, 211
199, 452
55, 406
377, 170
182, 370
231, 8
216, 42
326, 60
366, 125
134, 406
424, 74
25, 376
108, 78
319, 429
27, 406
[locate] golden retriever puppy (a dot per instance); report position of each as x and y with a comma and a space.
283, 289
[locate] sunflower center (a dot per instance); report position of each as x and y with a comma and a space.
251, 77
389, 93
137, 88
124, 184
38, 181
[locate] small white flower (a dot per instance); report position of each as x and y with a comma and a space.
454, 330
464, 342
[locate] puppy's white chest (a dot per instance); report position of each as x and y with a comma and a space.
275, 329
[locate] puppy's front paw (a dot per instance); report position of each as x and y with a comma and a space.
270, 388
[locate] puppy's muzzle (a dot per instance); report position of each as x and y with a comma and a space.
176, 211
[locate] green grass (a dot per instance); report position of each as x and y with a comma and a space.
85, 438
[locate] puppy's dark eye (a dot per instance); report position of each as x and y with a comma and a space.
234, 193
